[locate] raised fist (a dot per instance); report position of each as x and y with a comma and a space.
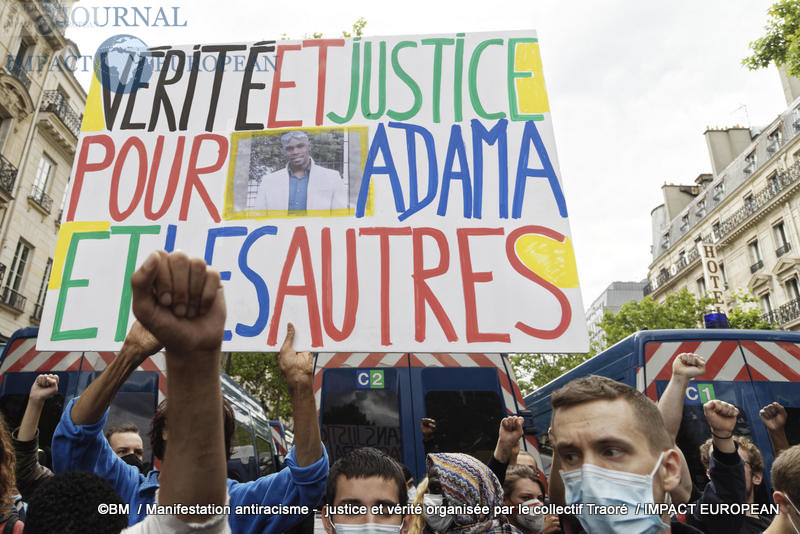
721, 416
688, 365
44, 387
774, 416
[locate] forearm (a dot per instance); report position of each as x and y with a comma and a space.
194, 468
671, 404
30, 420
778, 439
307, 440
97, 398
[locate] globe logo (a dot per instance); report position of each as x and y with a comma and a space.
122, 63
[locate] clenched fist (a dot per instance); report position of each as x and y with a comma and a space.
688, 365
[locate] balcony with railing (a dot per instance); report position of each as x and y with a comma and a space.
18, 72
756, 266
56, 103
665, 275
783, 249
42, 199
38, 308
8, 175
13, 299
783, 314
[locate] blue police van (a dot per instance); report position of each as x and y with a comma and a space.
747, 368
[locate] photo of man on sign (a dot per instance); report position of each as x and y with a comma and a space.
301, 183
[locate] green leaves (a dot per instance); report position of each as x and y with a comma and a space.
781, 44
260, 375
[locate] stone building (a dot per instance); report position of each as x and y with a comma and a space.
40, 118
748, 208
614, 296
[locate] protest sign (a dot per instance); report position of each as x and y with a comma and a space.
397, 193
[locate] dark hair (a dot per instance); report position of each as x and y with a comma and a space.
159, 423
67, 504
516, 473
8, 462
593, 388
364, 463
407, 473
754, 456
122, 429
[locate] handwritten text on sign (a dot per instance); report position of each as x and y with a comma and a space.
397, 193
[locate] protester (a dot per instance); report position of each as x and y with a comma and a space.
126, 443
30, 474
774, 418
786, 492
753, 475
79, 445
369, 478
522, 486
469, 487
9, 517
70, 503
505, 452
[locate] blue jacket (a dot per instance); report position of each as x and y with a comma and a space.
84, 448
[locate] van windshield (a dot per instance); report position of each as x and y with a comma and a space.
363, 418
466, 421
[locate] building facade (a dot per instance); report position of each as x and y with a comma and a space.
748, 209
614, 296
40, 118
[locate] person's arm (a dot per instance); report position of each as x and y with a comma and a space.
721, 418
44, 387
297, 368
774, 418
685, 367
508, 436
194, 469
90, 407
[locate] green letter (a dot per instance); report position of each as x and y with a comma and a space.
133, 250
473, 80
408, 80
437, 71
351, 109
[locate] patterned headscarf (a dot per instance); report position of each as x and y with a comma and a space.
465, 481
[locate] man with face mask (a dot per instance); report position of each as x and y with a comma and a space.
126, 443
611, 448
786, 486
365, 487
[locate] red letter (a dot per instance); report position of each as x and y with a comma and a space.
422, 292
309, 288
351, 294
566, 310
172, 184
469, 279
277, 84
384, 234
82, 167
193, 175
116, 174
323, 45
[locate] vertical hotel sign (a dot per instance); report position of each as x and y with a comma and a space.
428, 213
712, 272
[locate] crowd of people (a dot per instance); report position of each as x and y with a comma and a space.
616, 465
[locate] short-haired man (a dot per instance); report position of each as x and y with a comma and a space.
301, 185
611, 448
78, 443
364, 488
126, 443
786, 485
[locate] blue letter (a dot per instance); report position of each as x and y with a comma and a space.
456, 146
261, 288
496, 135
414, 205
523, 172
380, 143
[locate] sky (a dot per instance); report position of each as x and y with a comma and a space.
632, 87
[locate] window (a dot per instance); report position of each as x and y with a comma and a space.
780, 234
750, 202
684, 222
266, 464
792, 289
719, 189
772, 182
755, 252
722, 274
43, 174
774, 141
766, 302
750, 163
701, 286
665, 241
700, 209
37, 310
11, 293
63, 203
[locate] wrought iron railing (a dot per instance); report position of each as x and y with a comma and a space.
43, 199
683, 262
55, 102
756, 266
8, 175
783, 314
38, 308
13, 298
18, 72
783, 249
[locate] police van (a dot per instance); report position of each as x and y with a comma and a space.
747, 368
255, 451
386, 400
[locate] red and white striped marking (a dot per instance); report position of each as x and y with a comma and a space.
280, 443
765, 361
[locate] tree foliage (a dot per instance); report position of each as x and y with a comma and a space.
748, 317
781, 44
535, 370
259, 374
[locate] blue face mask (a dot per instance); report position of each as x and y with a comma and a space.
367, 528
606, 487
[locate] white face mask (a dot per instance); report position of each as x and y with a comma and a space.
433, 517
531, 522
412, 493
